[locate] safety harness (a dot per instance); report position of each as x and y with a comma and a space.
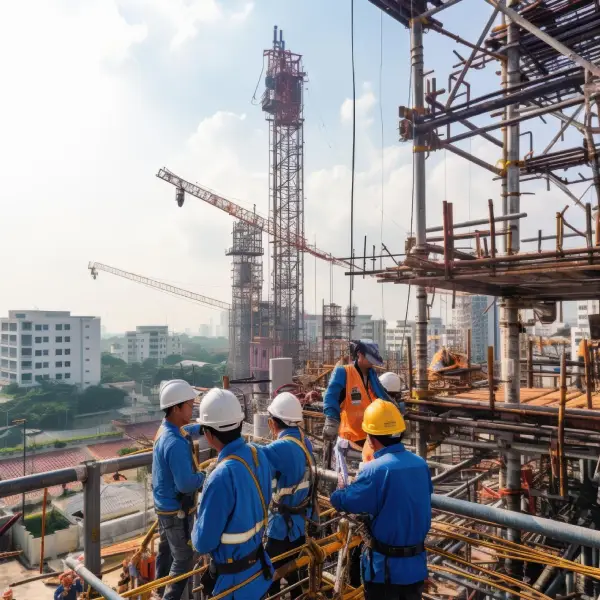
231, 567
308, 481
188, 502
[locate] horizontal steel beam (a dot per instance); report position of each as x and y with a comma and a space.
498, 219
87, 576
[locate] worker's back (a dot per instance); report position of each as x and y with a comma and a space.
402, 483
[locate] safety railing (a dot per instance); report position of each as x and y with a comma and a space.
90, 474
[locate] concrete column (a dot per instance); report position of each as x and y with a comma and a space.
91, 518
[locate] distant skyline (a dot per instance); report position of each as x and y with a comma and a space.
99, 94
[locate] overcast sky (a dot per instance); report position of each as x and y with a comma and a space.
99, 94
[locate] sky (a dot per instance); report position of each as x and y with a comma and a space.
100, 94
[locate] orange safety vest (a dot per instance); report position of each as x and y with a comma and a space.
353, 407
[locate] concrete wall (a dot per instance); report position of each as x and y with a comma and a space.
59, 543
121, 528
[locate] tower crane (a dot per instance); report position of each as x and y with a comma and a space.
95, 267
235, 210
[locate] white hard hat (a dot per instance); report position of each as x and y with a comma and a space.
286, 407
221, 410
391, 382
175, 391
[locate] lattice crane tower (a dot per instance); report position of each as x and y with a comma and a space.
283, 104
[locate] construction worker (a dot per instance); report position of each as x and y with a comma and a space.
292, 461
233, 512
394, 490
351, 389
175, 483
70, 586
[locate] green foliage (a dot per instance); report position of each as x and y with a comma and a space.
11, 389
173, 359
53, 443
54, 522
124, 451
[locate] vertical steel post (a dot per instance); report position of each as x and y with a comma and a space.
91, 518
509, 320
416, 49
529, 363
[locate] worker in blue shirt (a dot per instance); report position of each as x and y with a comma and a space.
70, 587
233, 510
292, 461
175, 483
394, 491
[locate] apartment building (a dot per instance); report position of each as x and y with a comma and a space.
397, 338
40, 345
582, 330
150, 341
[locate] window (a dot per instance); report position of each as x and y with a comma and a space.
45, 365
26, 326
58, 364
67, 327
26, 352
45, 327
26, 377
38, 340
5, 337
58, 352
26, 340
59, 339
67, 363
13, 338
67, 339
58, 327
87, 371
38, 327
87, 337
87, 348
87, 383
87, 360
67, 375
4, 326
38, 352
44, 352
87, 326
25, 364
59, 376
67, 351
12, 326
21, 316
38, 365
46, 377
45, 339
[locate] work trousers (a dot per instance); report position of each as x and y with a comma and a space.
174, 547
392, 591
275, 548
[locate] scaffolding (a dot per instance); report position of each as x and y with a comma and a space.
246, 290
282, 103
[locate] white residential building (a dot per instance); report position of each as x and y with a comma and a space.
150, 341
584, 309
49, 345
397, 338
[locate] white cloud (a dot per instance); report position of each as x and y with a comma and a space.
364, 104
187, 16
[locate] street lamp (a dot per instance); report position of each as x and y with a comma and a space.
22, 422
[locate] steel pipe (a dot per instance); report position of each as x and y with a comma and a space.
499, 219
473, 460
92, 580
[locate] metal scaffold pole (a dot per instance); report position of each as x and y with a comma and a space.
416, 39
510, 312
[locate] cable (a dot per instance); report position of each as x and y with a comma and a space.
252, 100
382, 147
350, 324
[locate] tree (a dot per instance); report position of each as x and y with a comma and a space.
173, 359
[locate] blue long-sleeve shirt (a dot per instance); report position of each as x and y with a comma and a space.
395, 491
230, 517
336, 392
288, 462
172, 468
76, 588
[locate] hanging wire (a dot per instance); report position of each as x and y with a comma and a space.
253, 99
382, 149
353, 162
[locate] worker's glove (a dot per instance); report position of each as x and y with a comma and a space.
330, 429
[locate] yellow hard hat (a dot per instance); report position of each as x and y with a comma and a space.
383, 418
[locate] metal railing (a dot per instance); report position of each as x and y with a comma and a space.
90, 473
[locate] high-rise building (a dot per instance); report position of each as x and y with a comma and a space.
151, 341
480, 315
204, 330
375, 330
397, 339
40, 345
